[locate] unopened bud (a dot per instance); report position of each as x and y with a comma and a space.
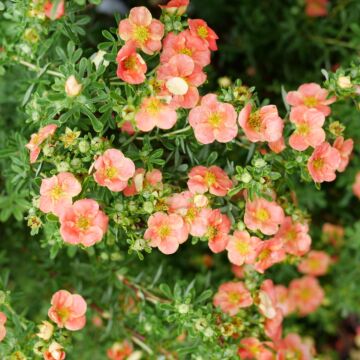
72, 87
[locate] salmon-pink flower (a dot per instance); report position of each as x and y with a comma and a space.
142, 29
200, 28
333, 234
83, 223
252, 348
238, 271
56, 193
323, 163
113, 170
345, 148
120, 351
46, 330
267, 299
312, 96
309, 131
356, 185
143, 180
306, 294
189, 206
277, 146
37, 139
54, 352
316, 8
153, 112
283, 300
3, 320
182, 77
316, 263
295, 237
232, 296
131, 66
242, 248
213, 120
188, 44
58, 12
166, 232
269, 252
212, 179
177, 7
127, 127
68, 310
264, 124
292, 347
270, 309
218, 227
263, 215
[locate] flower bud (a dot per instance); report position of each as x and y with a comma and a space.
344, 82
72, 87
75, 163
31, 35
177, 86
148, 207
63, 166
245, 178
46, 330
84, 146
98, 58
183, 308
259, 163
224, 82
336, 128
48, 150
209, 332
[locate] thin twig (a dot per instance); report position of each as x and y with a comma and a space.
36, 68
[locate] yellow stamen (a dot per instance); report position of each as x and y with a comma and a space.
255, 121
141, 34
310, 101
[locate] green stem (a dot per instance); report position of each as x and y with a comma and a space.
332, 41
37, 69
185, 129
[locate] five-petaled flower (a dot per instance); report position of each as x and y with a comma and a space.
232, 296
68, 310
213, 120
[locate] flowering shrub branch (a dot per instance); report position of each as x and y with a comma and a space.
128, 155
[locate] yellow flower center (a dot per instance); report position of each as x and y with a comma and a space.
153, 106
291, 235
202, 32
110, 172
234, 297
210, 178
211, 233
141, 34
63, 314
242, 247
36, 139
56, 192
303, 129
130, 63
215, 119
306, 294
318, 164
310, 101
164, 231
264, 254
186, 51
262, 214
83, 223
255, 121
191, 214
